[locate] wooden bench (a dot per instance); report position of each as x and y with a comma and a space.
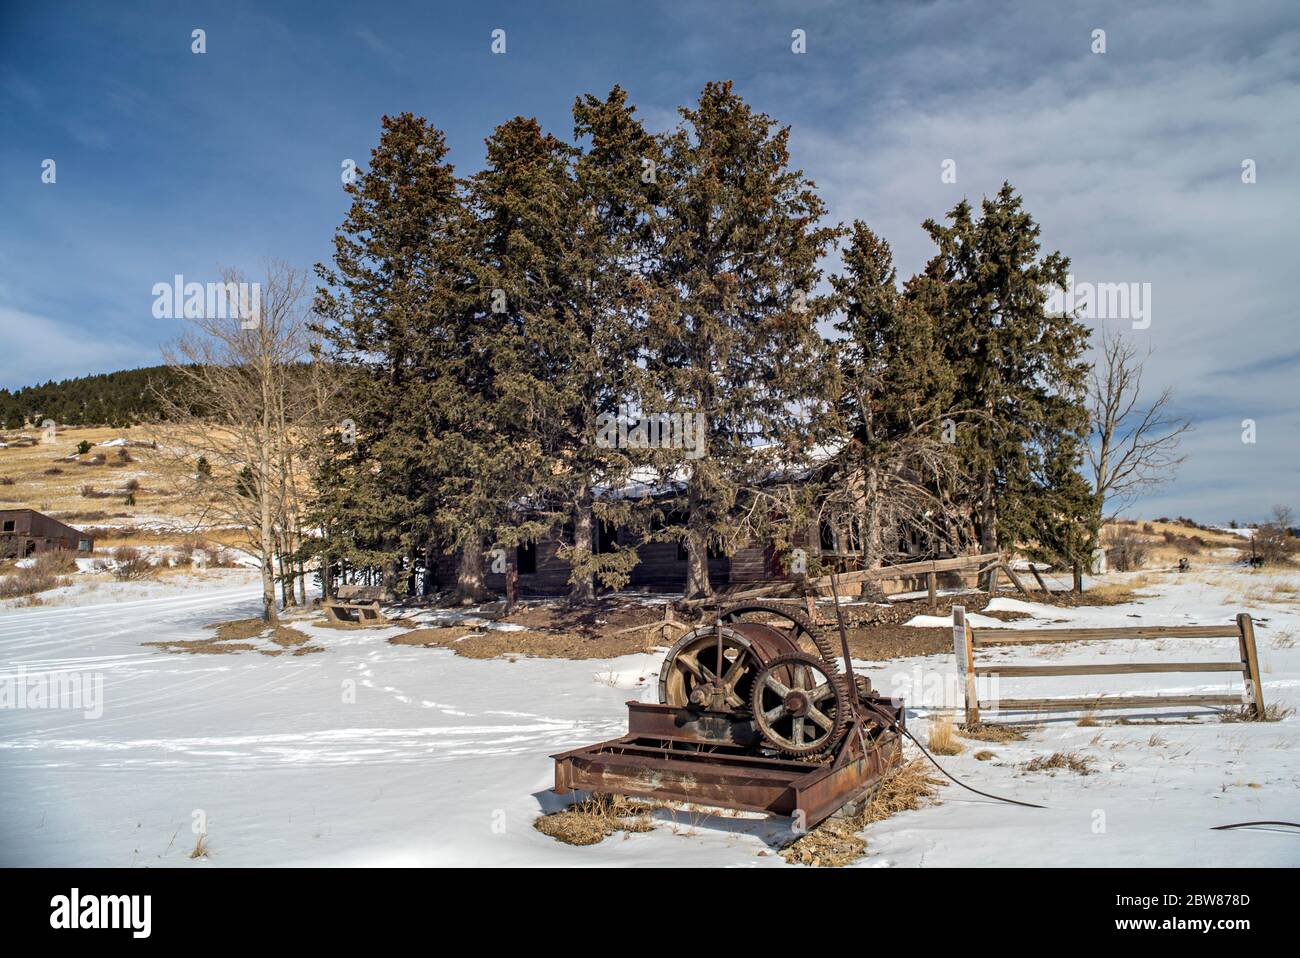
357, 605
965, 640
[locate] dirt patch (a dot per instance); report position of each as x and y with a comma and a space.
233, 636
592, 821
876, 643
240, 629
604, 616
202, 646
324, 623
877, 633
491, 643
428, 637
837, 841
556, 630
237, 629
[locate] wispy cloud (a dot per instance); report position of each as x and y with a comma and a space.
38, 348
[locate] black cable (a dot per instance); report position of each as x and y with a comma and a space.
893, 723
1219, 828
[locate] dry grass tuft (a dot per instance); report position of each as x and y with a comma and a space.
200, 847
942, 740
1275, 712
592, 821
836, 842
1122, 591
1071, 761
990, 732
983, 755
1087, 720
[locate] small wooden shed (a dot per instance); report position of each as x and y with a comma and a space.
25, 532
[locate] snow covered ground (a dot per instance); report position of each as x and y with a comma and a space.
375, 754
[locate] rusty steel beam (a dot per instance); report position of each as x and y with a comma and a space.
728, 776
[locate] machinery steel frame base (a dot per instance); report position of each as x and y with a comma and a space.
713, 758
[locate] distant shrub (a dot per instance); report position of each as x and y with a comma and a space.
1191, 545
132, 485
123, 456
6, 480
184, 552
1274, 545
57, 562
1126, 551
54, 471
40, 576
83, 447
130, 564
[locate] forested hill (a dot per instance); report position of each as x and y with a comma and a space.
122, 398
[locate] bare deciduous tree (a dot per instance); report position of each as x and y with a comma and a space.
247, 401
1272, 542
1135, 444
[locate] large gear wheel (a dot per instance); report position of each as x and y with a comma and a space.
801, 706
801, 626
692, 677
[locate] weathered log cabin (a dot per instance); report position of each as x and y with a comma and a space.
25, 532
661, 566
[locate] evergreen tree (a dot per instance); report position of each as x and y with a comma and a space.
897, 387
733, 333
395, 302
1020, 371
561, 230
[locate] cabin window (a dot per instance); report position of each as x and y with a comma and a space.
606, 537
526, 558
826, 534
9, 525
83, 545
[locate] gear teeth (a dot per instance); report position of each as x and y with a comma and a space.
843, 707
829, 652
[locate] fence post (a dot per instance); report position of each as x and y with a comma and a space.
962, 647
1250, 659
931, 586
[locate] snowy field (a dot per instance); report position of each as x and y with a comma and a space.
375, 754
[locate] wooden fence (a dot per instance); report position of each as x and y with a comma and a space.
797, 587
965, 640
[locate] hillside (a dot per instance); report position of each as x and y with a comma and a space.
120, 398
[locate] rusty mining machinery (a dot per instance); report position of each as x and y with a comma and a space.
754, 713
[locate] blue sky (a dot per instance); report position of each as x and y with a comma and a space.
171, 162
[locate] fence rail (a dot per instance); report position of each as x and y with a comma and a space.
966, 640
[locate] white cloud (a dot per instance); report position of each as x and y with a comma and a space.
35, 349
1132, 168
